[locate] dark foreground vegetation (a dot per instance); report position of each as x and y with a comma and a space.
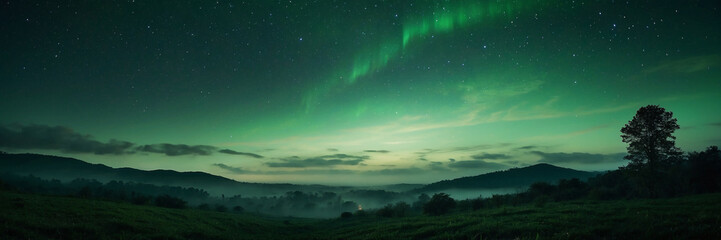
27, 216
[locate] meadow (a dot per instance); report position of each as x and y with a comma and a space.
32, 216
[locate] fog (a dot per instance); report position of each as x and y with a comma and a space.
462, 194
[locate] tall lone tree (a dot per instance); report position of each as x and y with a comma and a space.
650, 140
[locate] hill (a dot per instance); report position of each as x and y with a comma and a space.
27, 216
66, 169
511, 178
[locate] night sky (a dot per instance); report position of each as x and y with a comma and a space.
353, 92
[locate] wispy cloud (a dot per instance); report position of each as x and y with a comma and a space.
686, 65
490, 156
236, 170
177, 149
475, 164
320, 161
376, 151
528, 147
231, 152
566, 135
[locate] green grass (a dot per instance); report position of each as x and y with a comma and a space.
25, 216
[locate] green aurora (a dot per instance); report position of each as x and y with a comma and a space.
353, 92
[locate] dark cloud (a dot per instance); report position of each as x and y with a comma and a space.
578, 157
490, 156
529, 147
471, 148
239, 170
177, 149
320, 161
231, 152
475, 164
377, 151
235, 170
58, 138
395, 171
332, 149
437, 166
716, 124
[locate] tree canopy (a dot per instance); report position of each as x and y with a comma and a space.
650, 138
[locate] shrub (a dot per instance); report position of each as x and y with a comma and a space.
221, 208
204, 206
386, 211
439, 204
169, 201
238, 209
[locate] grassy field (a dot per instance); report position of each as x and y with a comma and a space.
24, 216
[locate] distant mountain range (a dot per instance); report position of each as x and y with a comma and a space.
511, 178
66, 169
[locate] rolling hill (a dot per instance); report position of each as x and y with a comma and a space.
66, 169
511, 178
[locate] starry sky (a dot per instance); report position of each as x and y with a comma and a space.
353, 92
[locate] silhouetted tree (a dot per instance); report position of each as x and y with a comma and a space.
439, 204
652, 151
238, 209
649, 137
705, 170
345, 215
386, 211
221, 208
422, 200
540, 189
569, 189
401, 209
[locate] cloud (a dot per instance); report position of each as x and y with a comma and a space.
490, 156
231, 152
578, 157
716, 124
438, 166
475, 164
320, 161
66, 140
58, 138
377, 151
177, 149
395, 171
529, 147
687, 65
332, 149
471, 148
235, 170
